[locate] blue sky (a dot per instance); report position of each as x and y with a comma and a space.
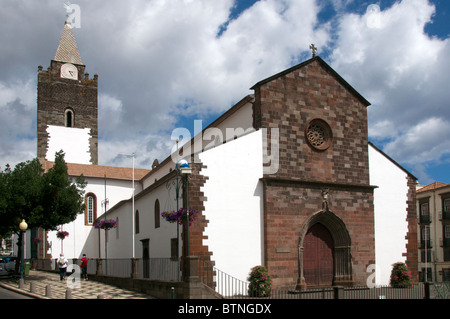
164, 64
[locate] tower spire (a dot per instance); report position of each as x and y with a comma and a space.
67, 49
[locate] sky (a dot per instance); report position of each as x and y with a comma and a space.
163, 64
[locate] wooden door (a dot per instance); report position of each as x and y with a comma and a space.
318, 260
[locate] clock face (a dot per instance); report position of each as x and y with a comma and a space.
69, 71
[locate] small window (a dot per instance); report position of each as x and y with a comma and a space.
136, 222
447, 231
69, 118
424, 210
90, 214
157, 214
447, 205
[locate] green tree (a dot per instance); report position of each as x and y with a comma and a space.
43, 199
62, 200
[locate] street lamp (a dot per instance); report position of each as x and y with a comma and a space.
23, 227
185, 171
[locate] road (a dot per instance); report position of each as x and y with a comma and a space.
8, 294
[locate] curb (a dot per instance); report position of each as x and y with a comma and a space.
23, 292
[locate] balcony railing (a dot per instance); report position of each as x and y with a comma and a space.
444, 215
423, 219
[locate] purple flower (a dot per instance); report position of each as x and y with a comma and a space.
180, 216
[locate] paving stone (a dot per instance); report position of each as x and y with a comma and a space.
87, 289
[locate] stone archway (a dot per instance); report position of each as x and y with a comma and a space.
341, 247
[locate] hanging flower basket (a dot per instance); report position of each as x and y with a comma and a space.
106, 224
61, 234
180, 216
37, 240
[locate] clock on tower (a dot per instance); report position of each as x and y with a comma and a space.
69, 71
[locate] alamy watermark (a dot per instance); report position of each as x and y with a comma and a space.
214, 136
371, 282
73, 14
373, 16
74, 279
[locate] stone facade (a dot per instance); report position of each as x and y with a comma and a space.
196, 199
57, 95
412, 256
293, 196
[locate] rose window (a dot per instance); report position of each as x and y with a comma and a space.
318, 134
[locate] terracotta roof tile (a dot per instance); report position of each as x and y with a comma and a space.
100, 171
432, 186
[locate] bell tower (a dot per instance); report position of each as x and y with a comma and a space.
67, 107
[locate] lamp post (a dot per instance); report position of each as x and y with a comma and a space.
23, 227
185, 172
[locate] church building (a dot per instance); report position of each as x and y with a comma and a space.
286, 178
281, 179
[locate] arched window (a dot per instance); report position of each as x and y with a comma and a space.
68, 118
136, 222
90, 212
157, 214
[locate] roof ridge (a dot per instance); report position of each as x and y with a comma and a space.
101, 171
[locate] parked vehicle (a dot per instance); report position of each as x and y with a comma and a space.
7, 265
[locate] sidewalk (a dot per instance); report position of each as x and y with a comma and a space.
47, 285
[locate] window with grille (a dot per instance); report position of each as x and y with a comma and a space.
447, 205
447, 231
424, 209
90, 210
90, 213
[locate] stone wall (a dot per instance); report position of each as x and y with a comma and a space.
56, 95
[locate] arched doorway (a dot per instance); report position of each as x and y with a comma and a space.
324, 245
318, 259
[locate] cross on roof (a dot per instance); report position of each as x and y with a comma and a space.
314, 49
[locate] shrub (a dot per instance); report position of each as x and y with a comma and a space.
400, 277
260, 282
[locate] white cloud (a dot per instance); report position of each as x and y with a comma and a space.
170, 59
147, 148
158, 60
388, 58
425, 142
17, 122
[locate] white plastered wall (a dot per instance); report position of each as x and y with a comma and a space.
234, 205
390, 206
85, 238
